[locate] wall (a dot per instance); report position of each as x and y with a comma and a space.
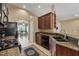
71, 27
16, 14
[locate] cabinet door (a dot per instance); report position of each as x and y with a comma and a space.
72, 52
43, 22
64, 51
39, 23
47, 21
58, 50
54, 20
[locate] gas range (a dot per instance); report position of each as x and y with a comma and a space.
8, 43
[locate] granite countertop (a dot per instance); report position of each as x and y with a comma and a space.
68, 45
75, 36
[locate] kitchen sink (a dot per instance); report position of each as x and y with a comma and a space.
59, 38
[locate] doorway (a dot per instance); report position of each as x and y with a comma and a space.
23, 34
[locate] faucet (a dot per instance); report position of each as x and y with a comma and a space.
65, 35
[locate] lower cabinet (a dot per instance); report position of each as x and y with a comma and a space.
10, 52
64, 51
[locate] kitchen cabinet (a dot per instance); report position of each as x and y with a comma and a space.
47, 21
64, 51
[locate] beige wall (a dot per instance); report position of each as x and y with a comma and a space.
16, 14
71, 27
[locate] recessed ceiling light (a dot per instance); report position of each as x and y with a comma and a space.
31, 17
76, 14
39, 6
24, 6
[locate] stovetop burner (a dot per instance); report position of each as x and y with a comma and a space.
8, 43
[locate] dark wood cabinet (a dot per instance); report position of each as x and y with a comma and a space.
47, 21
64, 51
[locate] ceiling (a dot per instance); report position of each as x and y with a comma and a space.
66, 11
63, 10
33, 8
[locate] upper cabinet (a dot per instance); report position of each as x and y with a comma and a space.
47, 21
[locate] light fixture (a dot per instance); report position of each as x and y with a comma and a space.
76, 14
39, 6
31, 17
24, 6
